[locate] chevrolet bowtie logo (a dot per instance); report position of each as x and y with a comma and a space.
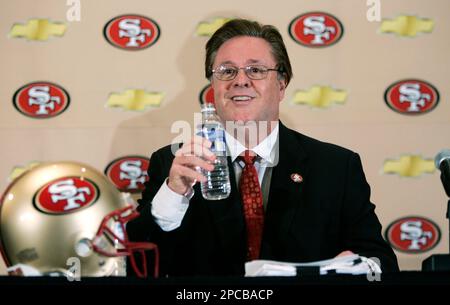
19, 170
208, 28
38, 29
409, 166
407, 26
320, 97
135, 99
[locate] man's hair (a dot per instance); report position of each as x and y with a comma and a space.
243, 27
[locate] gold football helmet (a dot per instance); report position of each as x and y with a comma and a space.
56, 214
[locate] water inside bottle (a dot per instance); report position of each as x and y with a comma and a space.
217, 185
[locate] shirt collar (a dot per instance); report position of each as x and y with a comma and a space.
267, 149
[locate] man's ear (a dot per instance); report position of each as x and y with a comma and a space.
283, 83
281, 77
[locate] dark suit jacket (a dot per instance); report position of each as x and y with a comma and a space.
329, 212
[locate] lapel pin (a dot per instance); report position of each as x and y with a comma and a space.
297, 178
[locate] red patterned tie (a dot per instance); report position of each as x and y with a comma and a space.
253, 206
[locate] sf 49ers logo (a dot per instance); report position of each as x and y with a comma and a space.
316, 29
413, 234
411, 96
66, 195
128, 173
41, 100
207, 95
131, 32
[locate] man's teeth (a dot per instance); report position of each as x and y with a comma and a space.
241, 98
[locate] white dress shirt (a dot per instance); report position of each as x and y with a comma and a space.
169, 207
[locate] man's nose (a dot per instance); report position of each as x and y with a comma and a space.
241, 79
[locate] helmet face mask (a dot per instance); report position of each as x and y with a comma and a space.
56, 212
111, 240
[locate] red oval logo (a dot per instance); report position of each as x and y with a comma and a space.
207, 95
66, 195
128, 173
41, 100
131, 32
413, 234
411, 96
316, 29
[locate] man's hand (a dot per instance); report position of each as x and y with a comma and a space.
345, 253
183, 173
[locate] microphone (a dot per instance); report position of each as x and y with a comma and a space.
442, 162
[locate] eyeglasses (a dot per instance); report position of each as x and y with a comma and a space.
226, 73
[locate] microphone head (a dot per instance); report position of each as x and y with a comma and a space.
441, 156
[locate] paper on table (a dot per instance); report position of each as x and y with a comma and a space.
350, 264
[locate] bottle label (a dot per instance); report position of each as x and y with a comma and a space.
217, 137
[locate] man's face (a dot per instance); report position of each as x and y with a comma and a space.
245, 99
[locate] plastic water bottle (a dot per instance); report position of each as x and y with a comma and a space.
217, 185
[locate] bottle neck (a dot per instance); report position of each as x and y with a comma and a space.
208, 107
209, 112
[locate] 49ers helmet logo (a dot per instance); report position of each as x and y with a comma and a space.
411, 96
207, 95
413, 234
66, 195
128, 173
131, 32
316, 29
41, 100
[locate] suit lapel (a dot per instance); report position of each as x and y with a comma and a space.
228, 219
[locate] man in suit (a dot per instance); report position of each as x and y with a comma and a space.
312, 201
